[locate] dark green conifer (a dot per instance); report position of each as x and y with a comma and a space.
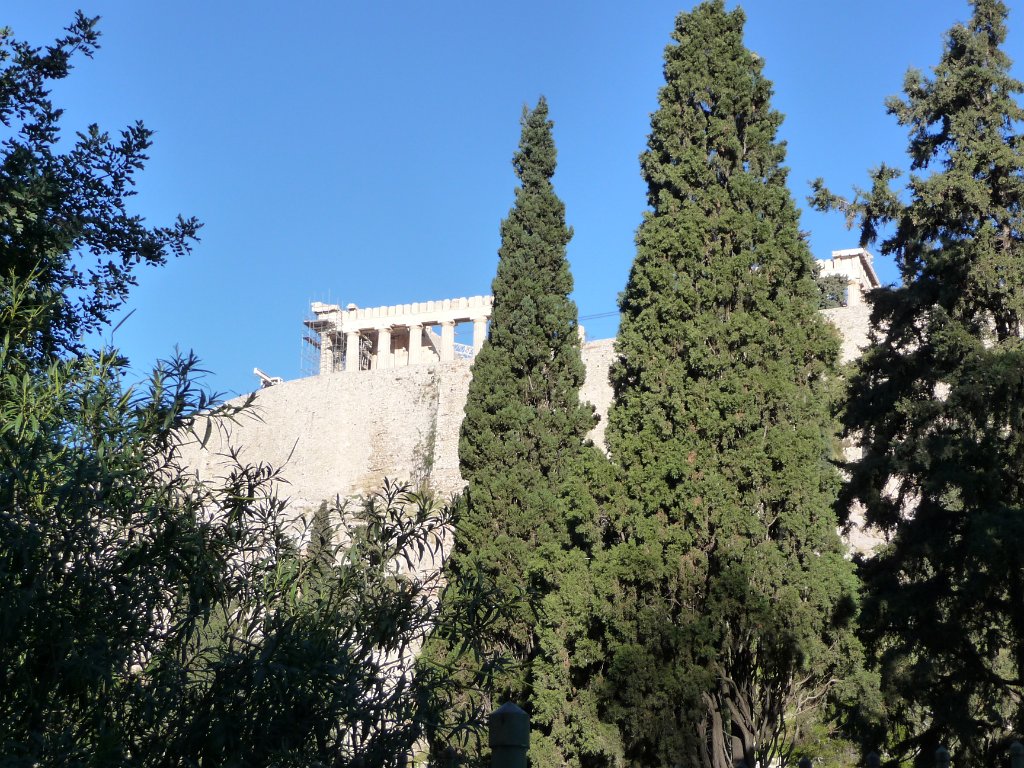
730, 601
527, 525
321, 550
938, 404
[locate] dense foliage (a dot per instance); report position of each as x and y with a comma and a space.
687, 603
64, 225
730, 604
528, 523
937, 404
149, 618
832, 289
311, 661
153, 620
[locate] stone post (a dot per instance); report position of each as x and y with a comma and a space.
479, 333
941, 758
509, 736
854, 295
415, 342
327, 352
384, 348
447, 341
352, 351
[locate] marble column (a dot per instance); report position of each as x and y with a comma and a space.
854, 295
384, 359
447, 341
327, 352
352, 351
415, 342
479, 333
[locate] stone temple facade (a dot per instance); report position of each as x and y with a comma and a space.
354, 339
389, 397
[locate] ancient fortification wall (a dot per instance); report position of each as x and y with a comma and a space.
341, 432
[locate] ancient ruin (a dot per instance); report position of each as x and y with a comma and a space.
423, 333
379, 338
857, 266
392, 386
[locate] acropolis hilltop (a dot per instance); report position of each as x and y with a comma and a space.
391, 386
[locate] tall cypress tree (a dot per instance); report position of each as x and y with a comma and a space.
731, 601
528, 522
938, 404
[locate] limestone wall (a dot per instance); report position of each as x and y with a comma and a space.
342, 433
853, 323
597, 390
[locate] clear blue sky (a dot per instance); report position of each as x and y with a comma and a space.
360, 151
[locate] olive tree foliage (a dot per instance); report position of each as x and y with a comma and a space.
147, 617
937, 403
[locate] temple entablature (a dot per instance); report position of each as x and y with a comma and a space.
856, 265
359, 339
